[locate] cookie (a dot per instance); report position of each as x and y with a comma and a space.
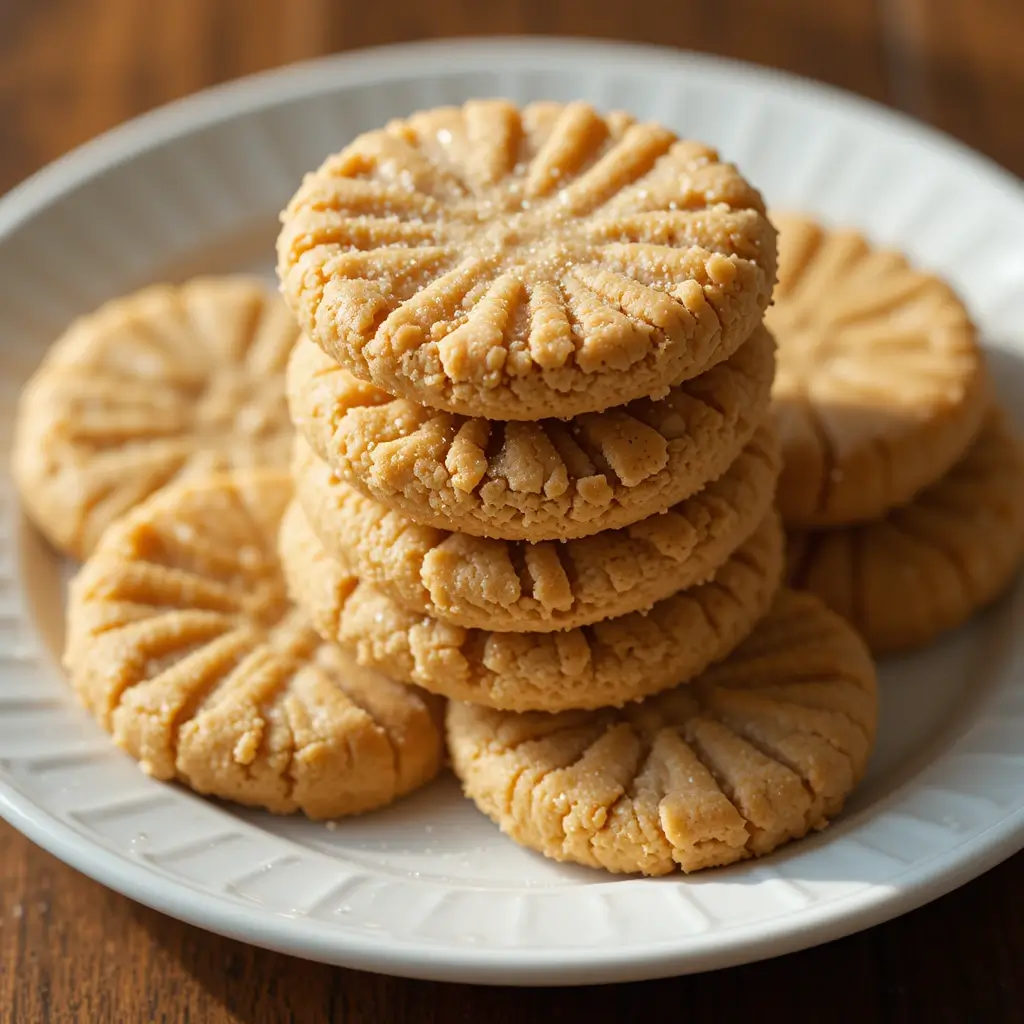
930, 565
165, 383
518, 586
761, 749
515, 264
183, 644
606, 664
550, 480
881, 383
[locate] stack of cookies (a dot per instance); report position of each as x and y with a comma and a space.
533, 472
534, 475
902, 483
532, 339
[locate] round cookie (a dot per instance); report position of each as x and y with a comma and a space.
165, 383
515, 264
761, 749
930, 565
183, 644
517, 586
881, 383
549, 480
606, 664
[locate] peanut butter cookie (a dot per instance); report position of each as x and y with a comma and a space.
183, 644
165, 383
548, 480
606, 664
930, 565
517, 586
881, 384
515, 264
761, 749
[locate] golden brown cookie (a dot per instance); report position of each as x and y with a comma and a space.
761, 749
165, 383
517, 586
183, 645
930, 565
881, 383
606, 664
515, 264
548, 480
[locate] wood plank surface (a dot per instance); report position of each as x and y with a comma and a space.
70, 69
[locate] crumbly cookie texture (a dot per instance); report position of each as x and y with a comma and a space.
519, 586
606, 664
930, 565
881, 383
183, 644
514, 264
547, 480
166, 383
761, 749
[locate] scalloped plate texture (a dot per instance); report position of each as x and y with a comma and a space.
429, 888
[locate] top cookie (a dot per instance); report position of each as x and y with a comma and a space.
167, 382
881, 384
515, 264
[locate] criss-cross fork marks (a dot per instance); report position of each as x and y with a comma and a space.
517, 586
880, 381
599, 665
507, 270
761, 749
182, 643
927, 566
166, 383
531, 481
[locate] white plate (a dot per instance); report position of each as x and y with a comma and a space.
429, 888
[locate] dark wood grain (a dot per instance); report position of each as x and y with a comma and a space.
69, 69
970, 61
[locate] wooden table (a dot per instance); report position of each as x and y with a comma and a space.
69, 69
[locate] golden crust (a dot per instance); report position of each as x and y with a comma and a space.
517, 586
519, 263
169, 382
549, 480
881, 383
761, 749
929, 566
606, 664
183, 645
